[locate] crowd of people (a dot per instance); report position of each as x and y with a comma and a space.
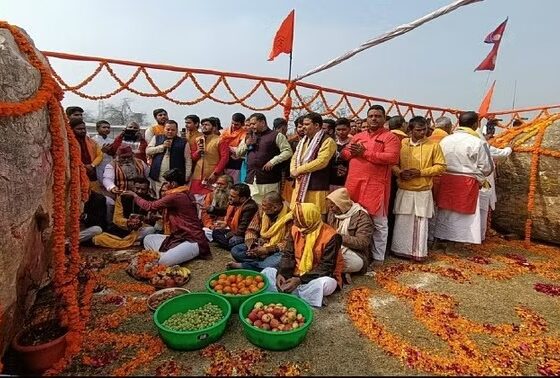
306, 209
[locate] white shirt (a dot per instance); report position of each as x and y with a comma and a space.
109, 175
467, 154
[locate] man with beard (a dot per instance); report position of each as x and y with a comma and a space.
371, 154
266, 150
131, 136
160, 115
168, 151
265, 237
90, 152
215, 204
239, 214
311, 165
120, 174
210, 158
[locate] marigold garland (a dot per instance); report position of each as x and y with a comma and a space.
49, 95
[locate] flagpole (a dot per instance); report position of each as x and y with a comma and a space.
290, 69
514, 94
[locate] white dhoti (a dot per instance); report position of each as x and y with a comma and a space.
457, 227
312, 292
177, 255
484, 205
412, 211
379, 237
88, 233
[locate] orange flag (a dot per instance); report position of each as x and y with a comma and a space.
283, 41
485, 105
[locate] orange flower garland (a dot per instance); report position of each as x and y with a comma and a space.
49, 94
535, 129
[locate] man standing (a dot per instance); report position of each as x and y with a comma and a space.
281, 125
104, 141
168, 151
75, 112
186, 239
265, 150
90, 152
233, 137
160, 115
371, 154
443, 129
265, 237
329, 126
210, 157
398, 126
239, 214
192, 123
468, 165
339, 169
420, 160
131, 136
311, 165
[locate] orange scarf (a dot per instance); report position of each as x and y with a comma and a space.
233, 214
233, 138
166, 223
158, 129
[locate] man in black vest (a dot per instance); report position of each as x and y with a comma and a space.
265, 150
168, 151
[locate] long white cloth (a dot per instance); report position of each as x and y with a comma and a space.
402, 29
408, 202
457, 227
410, 236
345, 222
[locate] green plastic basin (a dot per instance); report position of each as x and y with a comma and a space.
237, 300
276, 340
191, 340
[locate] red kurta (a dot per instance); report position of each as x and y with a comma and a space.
369, 175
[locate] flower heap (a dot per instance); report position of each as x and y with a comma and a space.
517, 344
519, 136
66, 268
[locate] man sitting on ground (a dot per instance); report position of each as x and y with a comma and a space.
215, 204
311, 265
240, 212
186, 239
265, 237
131, 223
354, 224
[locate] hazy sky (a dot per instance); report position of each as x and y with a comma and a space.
431, 65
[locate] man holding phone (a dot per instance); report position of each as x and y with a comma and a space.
371, 154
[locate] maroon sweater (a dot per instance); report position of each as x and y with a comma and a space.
183, 219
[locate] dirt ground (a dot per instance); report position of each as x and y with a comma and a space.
337, 345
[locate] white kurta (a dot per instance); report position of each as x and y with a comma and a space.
468, 155
106, 158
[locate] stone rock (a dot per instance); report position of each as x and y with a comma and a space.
26, 186
512, 188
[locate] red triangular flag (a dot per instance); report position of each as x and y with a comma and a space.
485, 104
489, 63
283, 41
496, 35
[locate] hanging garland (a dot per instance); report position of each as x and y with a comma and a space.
49, 95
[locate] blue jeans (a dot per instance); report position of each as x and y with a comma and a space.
219, 236
239, 253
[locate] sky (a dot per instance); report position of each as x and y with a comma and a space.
432, 65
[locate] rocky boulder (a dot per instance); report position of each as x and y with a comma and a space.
26, 186
512, 187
